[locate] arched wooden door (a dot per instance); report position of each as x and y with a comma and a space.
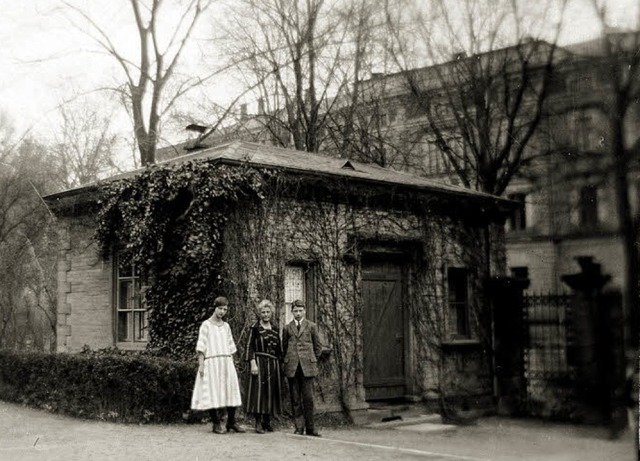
384, 325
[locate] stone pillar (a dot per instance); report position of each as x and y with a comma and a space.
509, 342
63, 308
595, 350
612, 362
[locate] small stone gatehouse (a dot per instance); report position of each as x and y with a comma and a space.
391, 267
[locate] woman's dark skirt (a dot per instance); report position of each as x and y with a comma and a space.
264, 393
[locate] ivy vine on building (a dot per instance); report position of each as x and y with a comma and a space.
391, 266
169, 222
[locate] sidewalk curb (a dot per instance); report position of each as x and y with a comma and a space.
406, 421
428, 428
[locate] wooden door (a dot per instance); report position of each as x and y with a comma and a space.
384, 330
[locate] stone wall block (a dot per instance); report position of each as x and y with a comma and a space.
64, 330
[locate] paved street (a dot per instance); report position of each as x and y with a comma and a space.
28, 434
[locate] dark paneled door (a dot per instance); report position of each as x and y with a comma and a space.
384, 330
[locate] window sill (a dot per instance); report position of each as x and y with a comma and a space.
460, 343
137, 346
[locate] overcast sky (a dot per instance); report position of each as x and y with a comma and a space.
43, 57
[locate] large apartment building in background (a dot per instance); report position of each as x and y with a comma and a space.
569, 208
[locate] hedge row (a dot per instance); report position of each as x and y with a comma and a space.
109, 386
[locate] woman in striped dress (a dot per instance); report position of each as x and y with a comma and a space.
216, 384
264, 352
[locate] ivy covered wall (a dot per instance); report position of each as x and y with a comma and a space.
198, 230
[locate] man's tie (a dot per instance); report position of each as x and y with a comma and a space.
298, 325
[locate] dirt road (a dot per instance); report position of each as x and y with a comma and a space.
28, 434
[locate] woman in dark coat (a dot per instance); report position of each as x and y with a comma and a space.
264, 352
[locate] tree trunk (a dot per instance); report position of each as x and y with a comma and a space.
628, 230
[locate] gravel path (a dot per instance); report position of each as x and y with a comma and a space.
29, 434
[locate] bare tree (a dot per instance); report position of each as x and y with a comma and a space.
6, 136
24, 222
479, 104
147, 92
276, 47
84, 146
305, 60
27, 292
620, 62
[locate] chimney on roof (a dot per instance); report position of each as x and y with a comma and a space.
260, 106
243, 111
197, 128
458, 56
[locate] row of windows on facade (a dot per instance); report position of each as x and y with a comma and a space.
581, 132
587, 209
582, 136
132, 316
385, 112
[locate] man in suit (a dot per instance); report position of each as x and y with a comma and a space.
302, 348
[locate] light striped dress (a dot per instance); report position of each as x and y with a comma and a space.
218, 387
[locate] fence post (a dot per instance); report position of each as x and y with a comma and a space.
611, 356
593, 349
506, 300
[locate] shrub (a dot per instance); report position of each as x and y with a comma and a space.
107, 385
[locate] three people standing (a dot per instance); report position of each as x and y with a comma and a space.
216, 385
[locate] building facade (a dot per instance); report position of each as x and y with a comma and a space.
390, 265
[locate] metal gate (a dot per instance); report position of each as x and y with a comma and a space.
549, 377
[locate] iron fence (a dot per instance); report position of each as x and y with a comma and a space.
549, 377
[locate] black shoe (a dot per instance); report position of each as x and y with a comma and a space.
235, 428
313, 434
298, 431
259, 430
266, 423
217, 428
